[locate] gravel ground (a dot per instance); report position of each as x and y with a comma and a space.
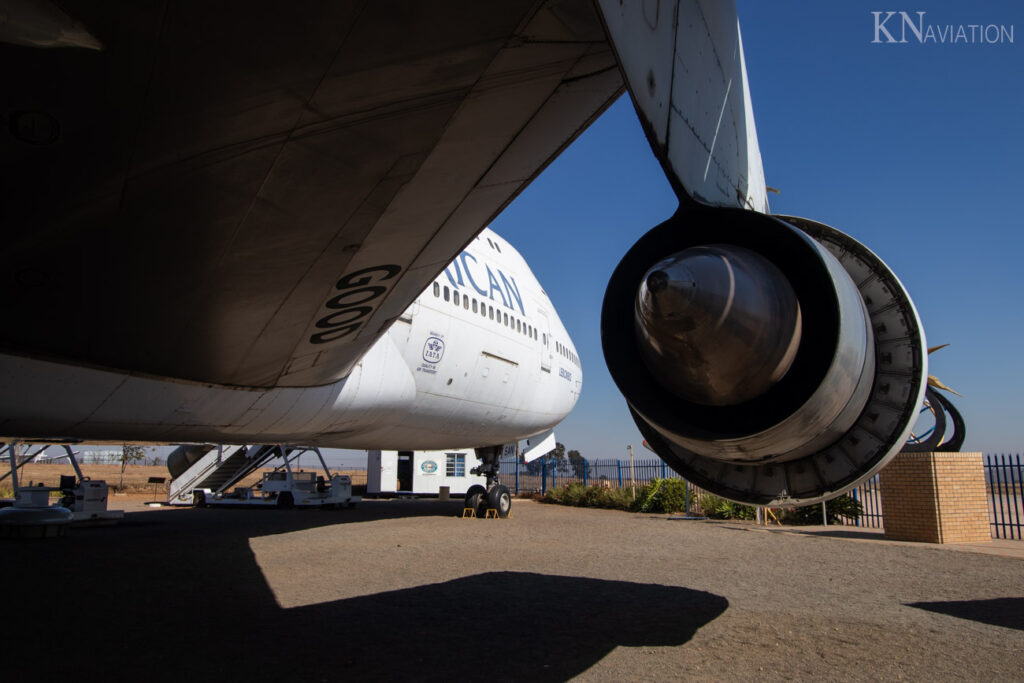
406, 590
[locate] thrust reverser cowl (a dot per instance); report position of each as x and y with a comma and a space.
750, 404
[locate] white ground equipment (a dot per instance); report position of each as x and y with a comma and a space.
421, 473
208, 480
83, 501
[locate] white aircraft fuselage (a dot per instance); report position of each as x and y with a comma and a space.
479, 358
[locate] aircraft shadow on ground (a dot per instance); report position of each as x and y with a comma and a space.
262, 520
1008, 612
845, 533
175, 596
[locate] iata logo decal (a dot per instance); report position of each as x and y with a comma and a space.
428, 466
433, 350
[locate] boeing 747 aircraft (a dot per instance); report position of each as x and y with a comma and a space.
218, 220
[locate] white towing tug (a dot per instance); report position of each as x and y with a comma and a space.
285, 489
205, 476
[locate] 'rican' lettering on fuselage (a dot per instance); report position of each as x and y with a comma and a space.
482, 278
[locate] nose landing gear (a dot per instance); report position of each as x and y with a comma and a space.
495, 496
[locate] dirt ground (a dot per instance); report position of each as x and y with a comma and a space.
405, 589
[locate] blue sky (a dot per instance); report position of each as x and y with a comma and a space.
915, 150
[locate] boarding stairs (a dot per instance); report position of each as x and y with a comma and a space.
220, 468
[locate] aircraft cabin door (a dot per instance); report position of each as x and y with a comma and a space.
546, 353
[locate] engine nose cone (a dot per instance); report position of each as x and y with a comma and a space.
717, 324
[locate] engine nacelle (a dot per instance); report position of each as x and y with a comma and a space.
769, 360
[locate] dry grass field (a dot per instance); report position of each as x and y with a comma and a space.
136, 477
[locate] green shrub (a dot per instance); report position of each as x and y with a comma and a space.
574, 493
721, 508
648, 492
843, 506
579, 495
615, 499
553, 495
661, 495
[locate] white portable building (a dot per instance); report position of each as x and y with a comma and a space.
421, 472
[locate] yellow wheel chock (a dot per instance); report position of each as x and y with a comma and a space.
492, 513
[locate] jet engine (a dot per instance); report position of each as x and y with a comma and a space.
770, 360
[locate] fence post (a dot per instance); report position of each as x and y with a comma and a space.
543, 477
517, 475
1011, 495
618, 464
1005, 488
1018, 490
862, 509
663, 470
876, 503
586, 466
995, 495
554, 481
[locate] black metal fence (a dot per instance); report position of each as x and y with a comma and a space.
871, 504
541, 475
1004, 475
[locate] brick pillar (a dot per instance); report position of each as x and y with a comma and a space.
935, 498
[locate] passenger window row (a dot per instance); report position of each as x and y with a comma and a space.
567, 353
485, 310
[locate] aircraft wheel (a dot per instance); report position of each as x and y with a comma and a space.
285, 501
500, 498
199, 499
476, 499
476, 502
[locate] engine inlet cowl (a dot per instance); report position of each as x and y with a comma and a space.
768, 361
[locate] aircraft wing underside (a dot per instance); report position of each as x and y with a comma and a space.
249, 193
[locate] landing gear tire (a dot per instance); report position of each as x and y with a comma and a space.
500, 499
476, 500
199, 499
285, 501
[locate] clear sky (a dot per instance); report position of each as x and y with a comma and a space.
913, 149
